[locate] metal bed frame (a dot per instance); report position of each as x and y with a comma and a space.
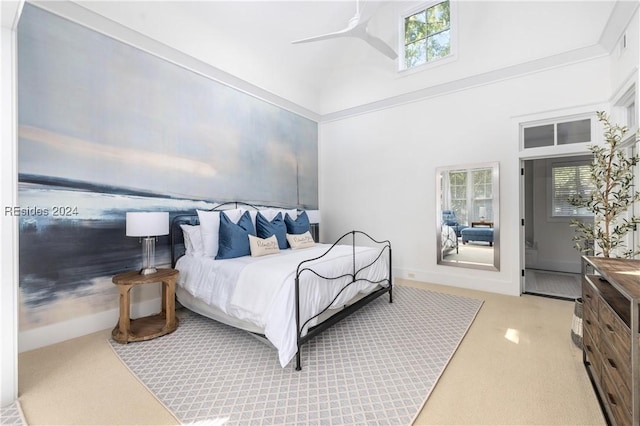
305, 267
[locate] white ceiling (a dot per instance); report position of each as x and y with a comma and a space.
252, 41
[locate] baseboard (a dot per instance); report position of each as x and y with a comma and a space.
459, 277
70, 329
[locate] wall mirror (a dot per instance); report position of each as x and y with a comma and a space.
467, 216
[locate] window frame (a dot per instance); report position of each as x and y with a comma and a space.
402, 68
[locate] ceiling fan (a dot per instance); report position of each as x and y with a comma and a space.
356, 27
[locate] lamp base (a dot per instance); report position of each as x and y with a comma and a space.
148, 271
148, 256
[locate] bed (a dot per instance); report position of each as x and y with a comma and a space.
289, 294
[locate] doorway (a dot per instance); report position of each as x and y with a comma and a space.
551, 263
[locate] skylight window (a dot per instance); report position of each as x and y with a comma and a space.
427, 35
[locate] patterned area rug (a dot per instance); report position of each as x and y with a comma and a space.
11, 415
378, 366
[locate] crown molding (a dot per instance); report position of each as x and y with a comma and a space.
490, 77
10, 13
621, 15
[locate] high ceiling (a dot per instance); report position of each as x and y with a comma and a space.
252, 39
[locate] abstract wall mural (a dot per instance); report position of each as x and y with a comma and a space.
105, 128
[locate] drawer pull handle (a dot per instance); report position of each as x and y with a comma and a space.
612, 400
612, 363
587, 321
587, 296
588, 348
609, 328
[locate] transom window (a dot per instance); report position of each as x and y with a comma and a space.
427, 35
556, 132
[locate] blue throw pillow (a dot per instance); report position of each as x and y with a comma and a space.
276, 227
298, 226
233, 238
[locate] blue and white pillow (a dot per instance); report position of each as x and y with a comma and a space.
233, 240
266, 228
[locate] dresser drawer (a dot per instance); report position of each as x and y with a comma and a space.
589, 297
590, 323
615, 331
618, 372
592, 353
620, 414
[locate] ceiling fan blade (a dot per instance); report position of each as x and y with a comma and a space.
380, 45
353, 25
357, 27
342, 33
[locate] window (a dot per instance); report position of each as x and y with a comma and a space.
569, 179
427, 35
556, 132
458, 188
482, 194
471, 194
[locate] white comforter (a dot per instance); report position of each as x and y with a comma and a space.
449, 238
261, 290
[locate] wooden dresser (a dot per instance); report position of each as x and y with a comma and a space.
611, 345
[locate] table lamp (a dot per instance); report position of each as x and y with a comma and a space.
314, 216
147, 226
482, 212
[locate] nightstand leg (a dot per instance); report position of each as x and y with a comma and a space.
169, 302
165, 302
124, 323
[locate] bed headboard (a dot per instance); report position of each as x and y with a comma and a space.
175, 233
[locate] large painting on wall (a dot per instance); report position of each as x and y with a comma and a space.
106, 128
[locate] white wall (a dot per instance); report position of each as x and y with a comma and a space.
624, 63
8, 194
377, 170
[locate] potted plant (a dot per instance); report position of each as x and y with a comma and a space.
611, 173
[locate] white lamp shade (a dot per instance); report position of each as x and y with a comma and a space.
313, 215
147, 224
482, 211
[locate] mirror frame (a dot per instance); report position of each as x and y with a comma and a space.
495, 181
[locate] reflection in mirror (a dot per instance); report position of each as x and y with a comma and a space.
467, 216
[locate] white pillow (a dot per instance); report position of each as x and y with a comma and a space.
192, 240
298, 241
254, 215
269, 214
263, 246
293, 213
210, 227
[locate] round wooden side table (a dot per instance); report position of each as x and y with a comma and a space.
146, 328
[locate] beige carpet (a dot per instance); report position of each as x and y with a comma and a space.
481, 253
516, 366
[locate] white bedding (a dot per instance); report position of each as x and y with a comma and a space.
449, 238
261, 290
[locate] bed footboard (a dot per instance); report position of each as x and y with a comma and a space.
385, 286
